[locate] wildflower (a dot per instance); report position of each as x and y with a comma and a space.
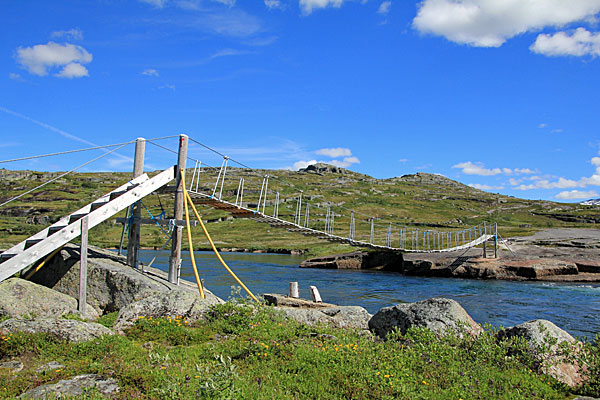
425, 383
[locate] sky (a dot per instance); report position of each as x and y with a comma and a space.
501, 95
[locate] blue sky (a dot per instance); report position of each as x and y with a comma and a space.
499, 94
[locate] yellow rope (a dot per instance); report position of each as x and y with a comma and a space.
40, 265
189, 199
189, 234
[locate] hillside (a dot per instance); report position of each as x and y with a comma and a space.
417, 200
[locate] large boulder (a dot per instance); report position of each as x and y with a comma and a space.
176, 303
378, 260
23, 299
313, 313
353, 317
438, 314
549, 345
64, 329
112, 284
73, 387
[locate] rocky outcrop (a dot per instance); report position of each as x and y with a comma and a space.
379, 260
63, 329
112, 284
73, 387
23, 299
175, 303
549, 345
322, 168
311, 313
440, 315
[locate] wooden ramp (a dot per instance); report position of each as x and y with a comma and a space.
68, 228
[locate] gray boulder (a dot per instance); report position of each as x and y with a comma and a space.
23, 299
65, 329
312, 313
440, 315
549, 345
175, 303
112, 284
13, 366
73, 387
353, 317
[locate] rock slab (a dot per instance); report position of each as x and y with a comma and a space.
64, 329
73, 387
23, 299
175, 303
438, 314
545, 341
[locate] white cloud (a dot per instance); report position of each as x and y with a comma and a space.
345, 163
579, 43
15, 77
303, 164
541, 126
384, 8
39, 58
150, 72
272, 4
172, 87
73, 70
561, 183
576, 195
155, 3
307, 6
71, 34
489, 23
334, 152
403, 160
485, 187
471, 168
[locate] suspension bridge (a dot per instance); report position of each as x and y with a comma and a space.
232, 187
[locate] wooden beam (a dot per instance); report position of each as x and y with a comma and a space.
133, 244
83, 250
175, 259
148, 221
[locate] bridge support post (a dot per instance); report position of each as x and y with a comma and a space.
495, 240
133, 242
83, 250
484, 243
175, 259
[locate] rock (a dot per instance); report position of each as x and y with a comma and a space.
73, 387
353, 317
438, 314
544, 341
23, 299
311, 313
380, 260
13, 366
322, 168
52, 365
64, 329
286, 301
112, 284
170, 304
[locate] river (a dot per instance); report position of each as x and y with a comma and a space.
573, 307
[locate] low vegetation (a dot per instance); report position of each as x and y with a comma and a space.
249, 352
424, 201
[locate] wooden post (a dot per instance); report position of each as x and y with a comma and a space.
133, 243
294, 291
316, 296
175, 259
484, 247
495, 240
83, 265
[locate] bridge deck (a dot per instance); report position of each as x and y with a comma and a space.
243, 212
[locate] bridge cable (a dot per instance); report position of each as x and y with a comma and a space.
62, 175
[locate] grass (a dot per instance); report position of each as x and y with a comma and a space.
422, 201
248, 352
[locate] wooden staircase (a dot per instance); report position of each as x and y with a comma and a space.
68, 228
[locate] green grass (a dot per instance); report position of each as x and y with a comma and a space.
417, 200
247, 352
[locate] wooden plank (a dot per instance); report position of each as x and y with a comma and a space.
83, 250
70, 232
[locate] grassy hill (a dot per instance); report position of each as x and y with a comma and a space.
421, 200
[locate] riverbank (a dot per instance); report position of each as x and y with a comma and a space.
557, 255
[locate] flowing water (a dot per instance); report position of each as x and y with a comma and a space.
573, 307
